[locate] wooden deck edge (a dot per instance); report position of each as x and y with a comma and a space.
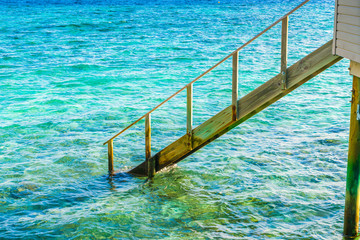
254, 102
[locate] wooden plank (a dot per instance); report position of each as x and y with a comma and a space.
352, 198
343, 27
352, 11
348, 54
352, 20
235, 85
353, 3
335, 27
355, 68
284, 50
348, 37
189, 114
111, 157
208, 128
348, 46
176, 150
151, 163
248, 106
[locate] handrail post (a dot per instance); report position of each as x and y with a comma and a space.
189, 114
150, 161
111, 157
284, 51
235, 90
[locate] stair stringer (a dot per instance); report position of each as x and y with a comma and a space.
249, 105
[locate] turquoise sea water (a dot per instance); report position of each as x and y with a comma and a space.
73, 74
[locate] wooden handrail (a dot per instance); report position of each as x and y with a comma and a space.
209, 70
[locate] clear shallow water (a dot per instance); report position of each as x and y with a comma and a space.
71, 75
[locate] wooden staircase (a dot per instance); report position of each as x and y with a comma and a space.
239, 111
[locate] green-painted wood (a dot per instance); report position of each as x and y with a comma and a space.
352, 199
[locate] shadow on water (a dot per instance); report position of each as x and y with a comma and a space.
121, 179
29, 196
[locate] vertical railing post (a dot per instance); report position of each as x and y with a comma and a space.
189, 114
284, 50
111, 157
150, 161
352, 197
235, 80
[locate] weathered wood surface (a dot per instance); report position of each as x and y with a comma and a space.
336, 24
354, 11
189, 114
235, 85
284, 50
248, 106
348, 37
353, 20
148, 159
346, 29
352, 47
352, 198
111, 157
355, 68
352, 3
351, 55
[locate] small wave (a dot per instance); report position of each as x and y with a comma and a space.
56, 102
73, 25
9, 66
85, 66
329, 142
22, 190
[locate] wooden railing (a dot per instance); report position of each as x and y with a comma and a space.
189, 99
